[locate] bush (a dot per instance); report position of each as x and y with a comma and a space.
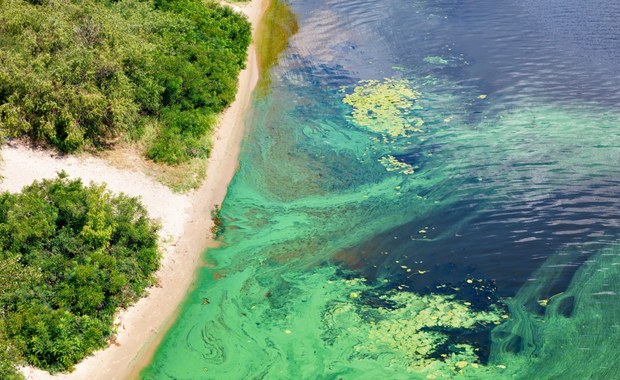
77, 74
82, 253
182, 137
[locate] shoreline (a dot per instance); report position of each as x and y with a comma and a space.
185, 219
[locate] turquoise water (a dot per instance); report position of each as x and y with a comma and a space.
427, 190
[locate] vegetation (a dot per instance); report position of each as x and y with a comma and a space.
83, 74
70, 256
218, 222
275, 29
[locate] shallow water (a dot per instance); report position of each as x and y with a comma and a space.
427, 190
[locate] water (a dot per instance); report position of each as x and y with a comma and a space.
469, 231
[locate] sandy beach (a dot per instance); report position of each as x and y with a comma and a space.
185, 220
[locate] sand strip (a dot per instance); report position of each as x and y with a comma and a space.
185, 225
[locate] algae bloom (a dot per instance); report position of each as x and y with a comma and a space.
385, 107
410, 331
391, 164
435, 60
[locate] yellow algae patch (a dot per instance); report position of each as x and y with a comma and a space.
385, 107
391, 164
543, 302
411, 332
409, 329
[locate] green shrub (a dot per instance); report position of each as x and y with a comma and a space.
83, 73
82, 253
182, 137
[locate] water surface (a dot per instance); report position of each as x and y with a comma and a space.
469, 231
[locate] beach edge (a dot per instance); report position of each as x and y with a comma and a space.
142, 326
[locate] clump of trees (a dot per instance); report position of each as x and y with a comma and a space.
70, 257
76, 74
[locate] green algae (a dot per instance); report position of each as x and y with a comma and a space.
391, 164
569, 335
303, 194
385, 107
436, 60
325, 325
545, 145
262, 302
409, 331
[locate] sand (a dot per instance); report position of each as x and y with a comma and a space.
185, 220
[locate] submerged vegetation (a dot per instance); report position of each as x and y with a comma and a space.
70, 257
84, 74
275, 29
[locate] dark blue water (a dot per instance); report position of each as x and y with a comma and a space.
516, 53
557, 50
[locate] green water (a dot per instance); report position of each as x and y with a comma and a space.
353, 195
279, 309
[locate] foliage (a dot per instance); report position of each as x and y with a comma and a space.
12, 276
182, 139
77, 74
76, 254
8, 358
